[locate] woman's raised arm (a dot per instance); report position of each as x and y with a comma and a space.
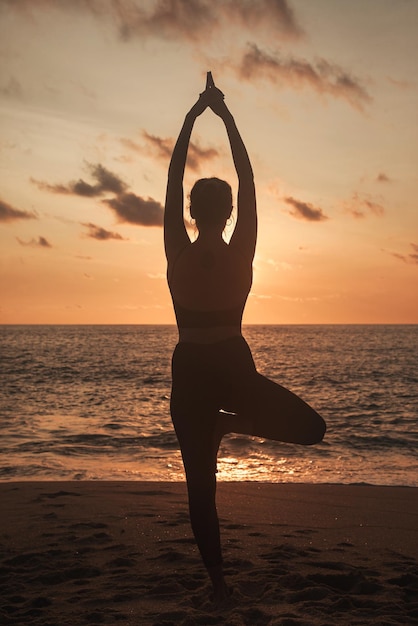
175, 234
245, 233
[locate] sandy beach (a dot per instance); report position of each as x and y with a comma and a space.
122, 553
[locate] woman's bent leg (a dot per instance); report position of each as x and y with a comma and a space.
265, 409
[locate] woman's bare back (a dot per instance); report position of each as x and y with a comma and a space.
210, 278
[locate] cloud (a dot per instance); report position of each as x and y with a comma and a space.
106, 181
128, 206
136, 210
9, 213
374, 207
323, 77
259, 296
162, 149
361, 205
43, 186
412, 257
101, 234
383, 178
304, 211
158, 276
12, 89
170, 19
275, 14
400, 84
41, 242
131, 145
192, 20
197, 154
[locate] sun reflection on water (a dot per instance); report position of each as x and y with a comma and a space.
262, 467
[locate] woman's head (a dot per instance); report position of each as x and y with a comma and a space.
211, 203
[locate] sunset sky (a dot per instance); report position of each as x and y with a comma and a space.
93, 94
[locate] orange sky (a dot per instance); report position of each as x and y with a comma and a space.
93, 94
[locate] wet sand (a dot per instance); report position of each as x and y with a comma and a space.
123, 553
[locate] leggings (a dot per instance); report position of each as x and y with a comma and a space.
205, 379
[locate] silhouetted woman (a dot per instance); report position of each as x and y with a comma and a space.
212, 366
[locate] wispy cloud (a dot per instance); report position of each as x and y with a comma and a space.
161, 149
127, 206
131, 145
274, 14
101, 234
197, 154
133, 209
190, 20
157, 276
414, 254
322, 76
106, 181
41, 242
8, 213
169, 19
260, 296
412, 257
199, 22
12, 88
305, 211
383, 178
159, 146
400, 84
362, 205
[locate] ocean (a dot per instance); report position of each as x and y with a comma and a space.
92, 403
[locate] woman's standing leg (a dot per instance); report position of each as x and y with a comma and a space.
199, 451
199, 460
194, 422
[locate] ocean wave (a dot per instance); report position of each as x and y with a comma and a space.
94, 402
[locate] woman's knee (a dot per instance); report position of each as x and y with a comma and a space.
315, 430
